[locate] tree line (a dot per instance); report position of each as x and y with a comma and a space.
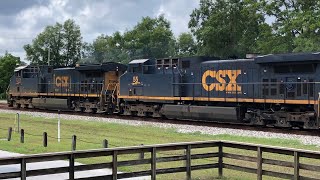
223, 28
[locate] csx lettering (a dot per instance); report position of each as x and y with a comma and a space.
220, 76
62, 81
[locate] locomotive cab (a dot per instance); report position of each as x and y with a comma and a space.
26, 83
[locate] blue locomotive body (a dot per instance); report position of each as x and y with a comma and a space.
87, 88
280, 90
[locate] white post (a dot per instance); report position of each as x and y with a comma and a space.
318, 105
18, 117
48, 57
58, 125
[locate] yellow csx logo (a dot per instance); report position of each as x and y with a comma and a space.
222, 85
135, 80
62, 81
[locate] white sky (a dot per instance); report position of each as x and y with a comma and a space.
22, 20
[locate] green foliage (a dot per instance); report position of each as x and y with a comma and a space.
93, 132
230, 28
186, 45
109, 48
62, 42
150, 38
296, 26
8, 63
226, 28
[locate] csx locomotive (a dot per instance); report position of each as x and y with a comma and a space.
277, 89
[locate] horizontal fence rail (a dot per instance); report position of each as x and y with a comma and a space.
218, 155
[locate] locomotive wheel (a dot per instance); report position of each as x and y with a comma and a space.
311, 124
257, 121
282, 122
94, 110
25, 106
16, 105
10, 104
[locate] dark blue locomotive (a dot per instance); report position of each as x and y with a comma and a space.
89, 88
279, 90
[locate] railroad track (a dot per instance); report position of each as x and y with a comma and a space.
182, 122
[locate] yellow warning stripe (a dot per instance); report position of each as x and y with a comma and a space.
244, 100
164, 98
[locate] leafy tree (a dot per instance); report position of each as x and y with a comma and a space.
8, 63
150, 38
109, 48
73, 43
296, 21
226, 28
270, 42
62, 42
186, 45
87, 53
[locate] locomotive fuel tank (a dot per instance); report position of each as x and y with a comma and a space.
204, 113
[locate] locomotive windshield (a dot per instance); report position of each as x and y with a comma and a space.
295, 68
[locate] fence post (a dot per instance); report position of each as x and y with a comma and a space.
74, 143
71, 166
18, 119
22, 136
58, 125
296, 165
153, 163
141, 153
220, 161
45, 139
115, 165
9, 133
105, 143
23, 169
188, 162
259, 163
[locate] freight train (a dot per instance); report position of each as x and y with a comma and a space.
279, 90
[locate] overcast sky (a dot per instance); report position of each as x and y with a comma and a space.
22, 20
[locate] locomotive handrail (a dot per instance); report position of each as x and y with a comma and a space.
217, 151
258, 83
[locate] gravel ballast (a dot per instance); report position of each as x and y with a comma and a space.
305, 139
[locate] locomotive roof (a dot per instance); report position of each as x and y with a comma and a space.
20, 68
290, 57
227, 60
108, 66
138, 61
65, 68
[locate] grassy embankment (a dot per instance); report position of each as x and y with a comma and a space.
125, 135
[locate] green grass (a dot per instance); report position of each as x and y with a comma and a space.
126, 135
